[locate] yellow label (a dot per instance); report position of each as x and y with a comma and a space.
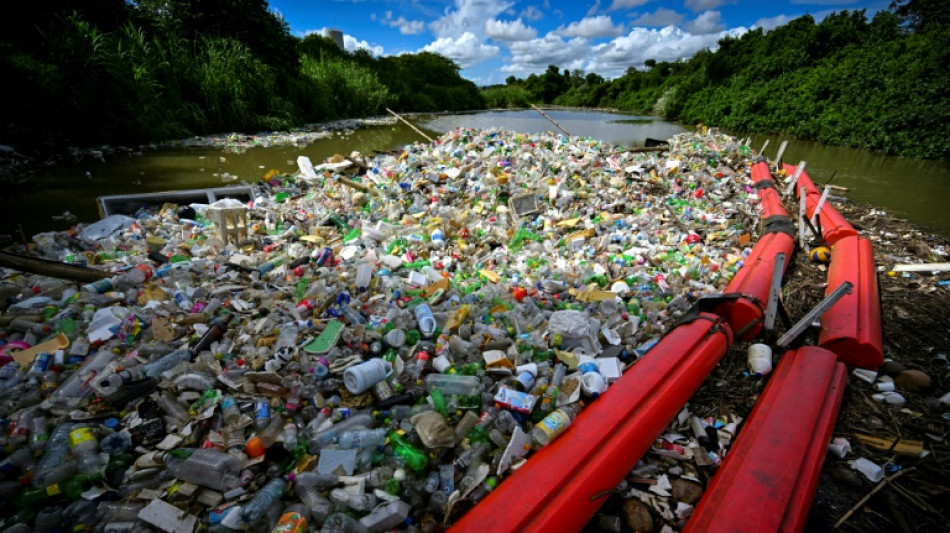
52, 490
78, 436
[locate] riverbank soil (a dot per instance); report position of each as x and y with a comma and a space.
916, 327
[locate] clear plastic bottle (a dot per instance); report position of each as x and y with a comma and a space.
206, 467
308, 486
230, 410
155, 368
356, 502
172, 408
263, 500
85, 448
362, 438
342, 523
258, 445
386, 517
56, 447
453, 384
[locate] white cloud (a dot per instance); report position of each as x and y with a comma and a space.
626, 4
668, 44
593, 9
661, 17
512, 30
772, 22
591, 27
468, 16
706, 22
406, 27
467, 50
351, 44
703, 5
532, 13
535, 55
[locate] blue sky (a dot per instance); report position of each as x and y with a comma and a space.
494, 39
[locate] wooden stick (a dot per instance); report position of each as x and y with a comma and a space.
53, 269
406, 122
536, 108
874, 491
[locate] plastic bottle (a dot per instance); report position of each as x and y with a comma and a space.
261, 414
760, 359
206, 467
39, 434
386, 516
70, 489
308, 486
362, 438
454, 384
230, 410
262, 501
85, 448
258, 445
425, 319
293, 520
592, 381
414, 458
553, 425
356, 502
49, 467
155, 368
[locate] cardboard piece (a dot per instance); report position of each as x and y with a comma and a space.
26, 357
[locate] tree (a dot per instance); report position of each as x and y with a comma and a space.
923, 15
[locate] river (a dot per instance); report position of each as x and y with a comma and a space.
915, 189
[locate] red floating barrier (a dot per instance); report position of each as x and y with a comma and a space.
563, 485
752, 282
834, 226
772, 204
761, 172
768, 480
851, 328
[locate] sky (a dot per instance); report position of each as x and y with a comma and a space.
494, 39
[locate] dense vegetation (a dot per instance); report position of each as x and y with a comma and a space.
879, 84
94, 71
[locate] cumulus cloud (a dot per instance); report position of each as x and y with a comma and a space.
703, 5
591, 27
532, 13
467, 50
625, 4
467, 16
535, 55
661, 17
352, 44
406, 27
668, 44
706, 22
512, 30
769, 23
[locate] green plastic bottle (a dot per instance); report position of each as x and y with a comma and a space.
414, 458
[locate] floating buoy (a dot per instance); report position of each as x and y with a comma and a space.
821, 255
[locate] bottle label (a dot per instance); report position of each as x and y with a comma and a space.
78, 436
554, 424
291, 523
227, 403
53, 490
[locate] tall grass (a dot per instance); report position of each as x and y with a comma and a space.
506, 96
343, 88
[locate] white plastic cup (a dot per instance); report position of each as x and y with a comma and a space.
360, 378
760, 359
441, 364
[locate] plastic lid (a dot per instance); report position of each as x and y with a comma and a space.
255, 448
112, 423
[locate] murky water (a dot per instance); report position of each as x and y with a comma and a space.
918, 190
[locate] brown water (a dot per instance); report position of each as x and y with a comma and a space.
915, 189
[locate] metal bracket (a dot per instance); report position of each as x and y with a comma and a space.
801, 325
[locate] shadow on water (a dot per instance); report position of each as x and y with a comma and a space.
918, 190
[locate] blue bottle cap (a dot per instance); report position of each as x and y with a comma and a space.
112, 423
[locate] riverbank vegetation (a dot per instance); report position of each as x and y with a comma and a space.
877, 84
110, 71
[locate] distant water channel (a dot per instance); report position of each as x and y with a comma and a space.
917, 190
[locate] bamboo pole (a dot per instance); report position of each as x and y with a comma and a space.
538, 109
53, 269
406, 122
